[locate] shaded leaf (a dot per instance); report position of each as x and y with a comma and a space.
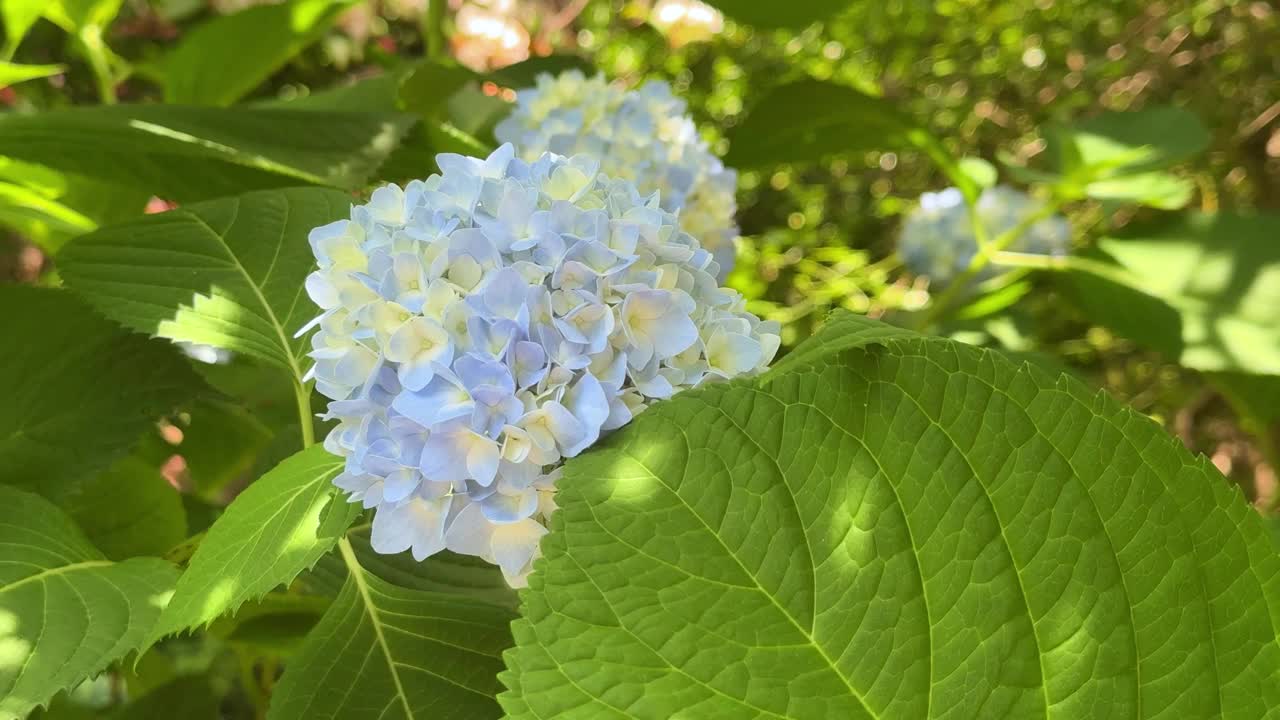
78, 391
220, 444
837, 119
795, 14
224, 59
227, 273
525, 73
444, 572
195, 153
897, 527
66, 612
390, 652
129, 510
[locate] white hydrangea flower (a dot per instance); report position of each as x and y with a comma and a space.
482, 325
644, 136
937, 239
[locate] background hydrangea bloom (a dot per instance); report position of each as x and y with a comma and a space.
482, 325
937, 238
644, 136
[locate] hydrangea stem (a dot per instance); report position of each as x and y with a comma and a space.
303, 395
986, 252
96, 53
433, 29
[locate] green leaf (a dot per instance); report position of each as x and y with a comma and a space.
982, 173
50, 207
188, 697
1118, 156
129, 510
78, 391
837, 120
897, 527
220, 445
74, 15
226, 58
444, 572
1154, 189
17, 17
227, 273
794, 15
525, 73
1202, 288
275, 625
66, 612
1115, 143
396, 653
195, 153
11, 73
273, 531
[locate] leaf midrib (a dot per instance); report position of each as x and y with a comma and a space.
357, 576
257, 291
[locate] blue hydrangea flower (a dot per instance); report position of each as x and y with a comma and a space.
937, 238
644, 136
481, 326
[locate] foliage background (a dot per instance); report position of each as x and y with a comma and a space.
987, 77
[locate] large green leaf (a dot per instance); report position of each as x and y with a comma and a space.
195, 153
1203, 288
389, 652
227, 273
794, 14
837, 119
78, 391
277, 528
897, 527
224, 59
66, 611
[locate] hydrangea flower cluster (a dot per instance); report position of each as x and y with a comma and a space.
482, 325
644, 136
937, 238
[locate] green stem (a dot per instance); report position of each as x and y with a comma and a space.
95, 51
433, 29
986, 251
303, 395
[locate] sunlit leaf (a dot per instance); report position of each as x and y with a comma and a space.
11, 73
277, 528
66, 611
227, 273
889, 526
1202, 288
17, 17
